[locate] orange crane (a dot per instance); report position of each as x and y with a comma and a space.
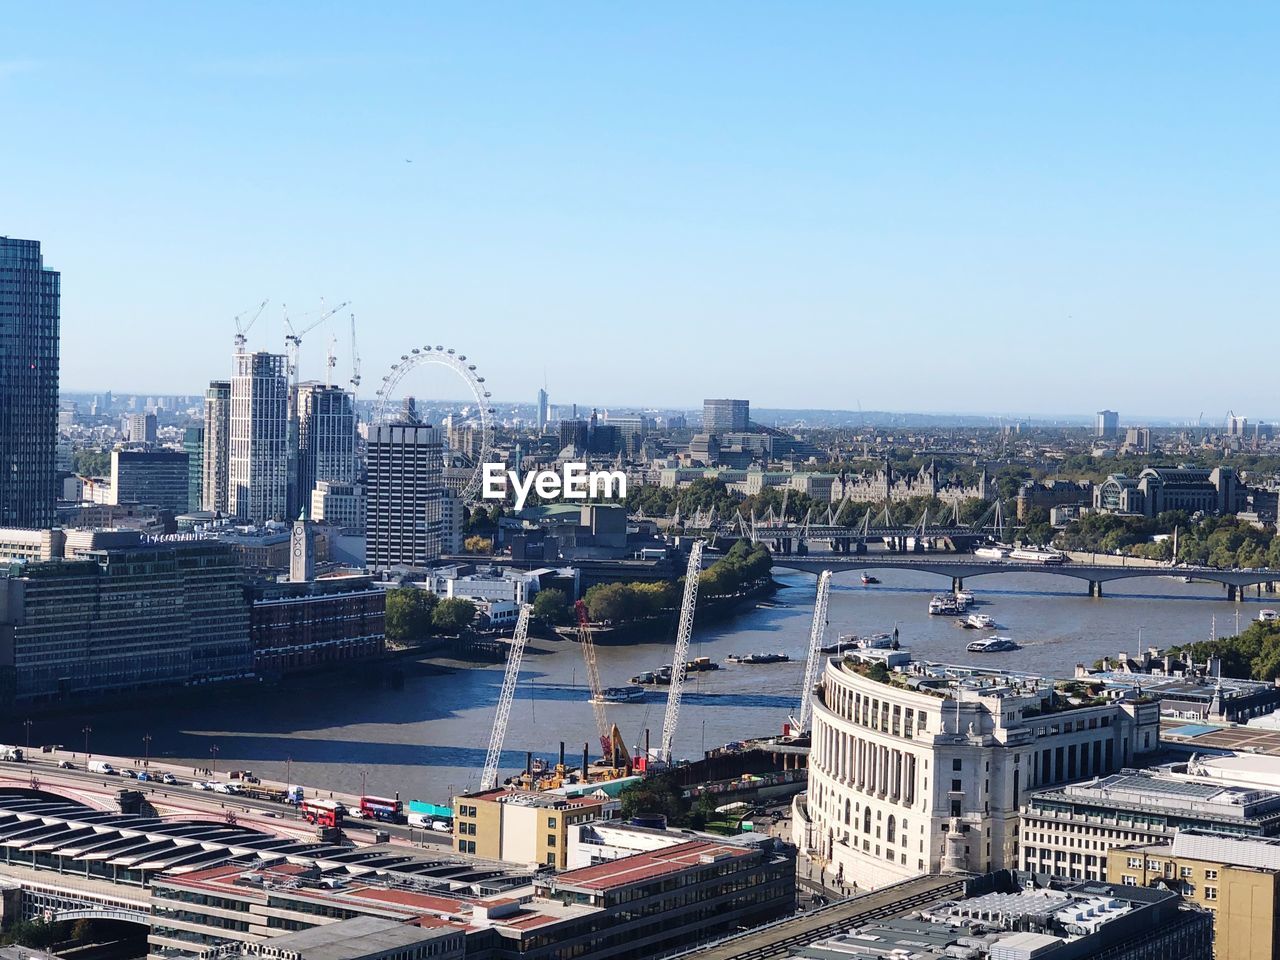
603, 730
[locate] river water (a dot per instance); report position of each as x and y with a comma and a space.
428, 739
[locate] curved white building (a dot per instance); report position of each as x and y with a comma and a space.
922, 768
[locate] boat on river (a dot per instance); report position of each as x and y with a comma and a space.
992, 645
662, 676
755, 658
632, 693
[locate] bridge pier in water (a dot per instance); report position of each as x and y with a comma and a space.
1235, 593
1095, 588
957, 584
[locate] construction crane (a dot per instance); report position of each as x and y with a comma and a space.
588, 645
293, 339
242, 329
355, 358
489, 778
680, 662
815, 651
331, 361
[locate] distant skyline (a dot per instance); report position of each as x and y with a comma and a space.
1030, 208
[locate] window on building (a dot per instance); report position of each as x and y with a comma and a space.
551, 839
551, 823
1211, 874
957, 764
1211, 893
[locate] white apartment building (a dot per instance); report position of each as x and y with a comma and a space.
258, 465
918, 767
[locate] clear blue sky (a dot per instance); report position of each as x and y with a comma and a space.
1019, 207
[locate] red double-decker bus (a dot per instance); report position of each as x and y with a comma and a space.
382, 808
323, 813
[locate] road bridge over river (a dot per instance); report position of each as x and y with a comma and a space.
960, 567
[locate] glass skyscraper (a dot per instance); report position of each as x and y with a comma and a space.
29, 313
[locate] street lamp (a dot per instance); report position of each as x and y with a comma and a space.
213, 752
27, 724
146, 747
363, 774
288, 772
86, 731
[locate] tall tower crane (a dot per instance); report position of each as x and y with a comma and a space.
680, 661
355, 358
242, 329
815, 651
293, 339
587, 643
489, 778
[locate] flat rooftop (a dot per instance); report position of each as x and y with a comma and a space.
1151, 791
356, 937
646, 866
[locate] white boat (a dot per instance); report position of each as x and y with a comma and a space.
979, 621
944, 605
995, 554
992, 645
964, 597
628, 694
1268, 615
1037, 555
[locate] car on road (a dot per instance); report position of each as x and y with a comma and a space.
66, 765
143, 775
169, 779
203, 785
441, 826
131, 774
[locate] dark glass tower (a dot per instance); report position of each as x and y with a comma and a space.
29, 312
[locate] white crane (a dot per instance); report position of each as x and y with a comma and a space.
489, 778
355, 358
242, 329
680, 662
815, 650
293, 339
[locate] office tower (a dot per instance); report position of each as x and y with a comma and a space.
193, 447
404, 495
573, 433
1237, 426
217, 446
632, 430
29, 312
543, 410
326, 438
726, 416
258, 465
142, 428
1108, 425
154, 477
339, 505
